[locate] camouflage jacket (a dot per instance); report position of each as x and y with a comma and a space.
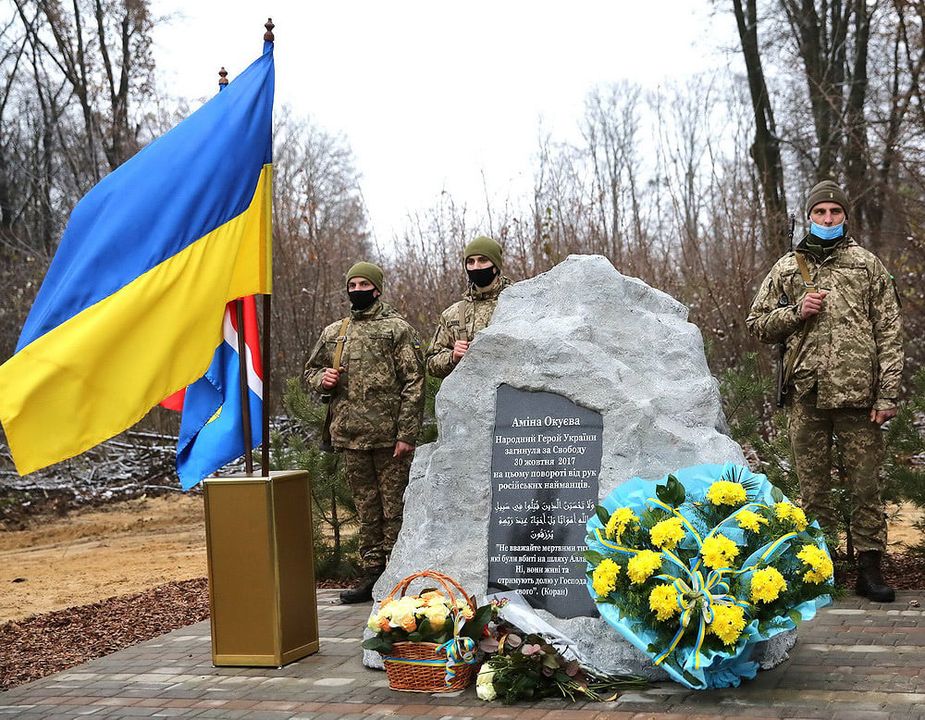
853, 353
461, 321
379, 398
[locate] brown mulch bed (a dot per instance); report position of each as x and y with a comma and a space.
45, 644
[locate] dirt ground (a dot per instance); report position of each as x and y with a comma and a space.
95, 554
131, 546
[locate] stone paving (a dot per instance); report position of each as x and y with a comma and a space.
855, 661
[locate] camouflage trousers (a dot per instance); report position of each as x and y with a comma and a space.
377, 481
860, 446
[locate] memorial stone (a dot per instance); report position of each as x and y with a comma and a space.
601, 340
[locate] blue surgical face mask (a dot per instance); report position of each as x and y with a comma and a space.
827, 233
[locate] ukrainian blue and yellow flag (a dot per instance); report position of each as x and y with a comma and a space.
131, 308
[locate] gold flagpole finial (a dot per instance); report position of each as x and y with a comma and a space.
222, 77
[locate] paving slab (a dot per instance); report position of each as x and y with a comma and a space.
856, 660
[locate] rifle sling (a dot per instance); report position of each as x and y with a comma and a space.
335, 363
341, 340
810, 287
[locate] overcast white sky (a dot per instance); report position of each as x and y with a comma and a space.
432, 94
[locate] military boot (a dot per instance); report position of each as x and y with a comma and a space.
363, 592
870, 582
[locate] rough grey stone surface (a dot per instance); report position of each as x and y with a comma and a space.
604, 340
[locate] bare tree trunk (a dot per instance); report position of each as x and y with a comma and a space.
857, 178
765, 150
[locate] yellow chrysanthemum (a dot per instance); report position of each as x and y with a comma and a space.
819, 562
790, 512
604, 577
749, 520
798, 518
642, 565
767, 585
718, 551
663, 601
619, 520
723, 492
728, 623
667, 534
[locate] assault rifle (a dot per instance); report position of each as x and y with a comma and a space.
784, 301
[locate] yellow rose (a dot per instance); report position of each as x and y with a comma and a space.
402, 613
436, 615
433, 597
464, 609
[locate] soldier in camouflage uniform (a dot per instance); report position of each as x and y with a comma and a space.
461, 321
844, 343
376, 406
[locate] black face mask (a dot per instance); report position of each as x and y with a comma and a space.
361, 299
482, 278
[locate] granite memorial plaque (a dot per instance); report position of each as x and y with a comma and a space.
545, 461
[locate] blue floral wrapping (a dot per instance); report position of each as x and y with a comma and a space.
712, 668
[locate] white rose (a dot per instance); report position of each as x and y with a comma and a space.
403, 612
484, 688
